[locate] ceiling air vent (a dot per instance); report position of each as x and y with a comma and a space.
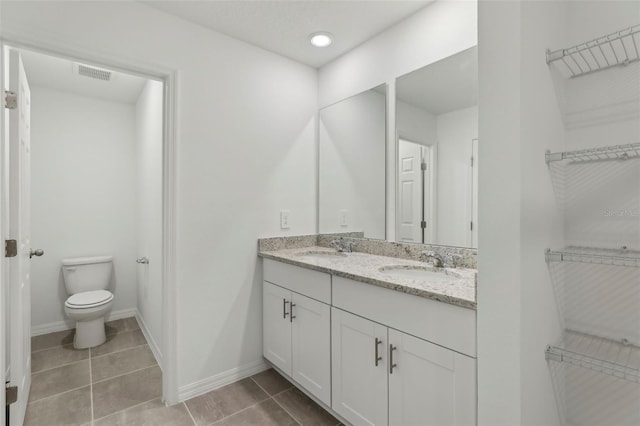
96, 73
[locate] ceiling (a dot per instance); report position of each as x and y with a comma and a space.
61, 74
283, 26
444, 86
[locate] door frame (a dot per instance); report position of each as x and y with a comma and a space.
170, 78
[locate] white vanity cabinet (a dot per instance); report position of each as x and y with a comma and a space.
384, 376
296, 327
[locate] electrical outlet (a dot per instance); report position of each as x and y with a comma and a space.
284, 219
344, 218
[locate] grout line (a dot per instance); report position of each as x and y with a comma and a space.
238, 412
119, 350
91, 386
128, 408
59, 366
56, 394
295, 419
189, 412
128, 372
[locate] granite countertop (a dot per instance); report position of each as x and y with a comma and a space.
458, 287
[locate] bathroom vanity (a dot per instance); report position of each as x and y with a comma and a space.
377, 339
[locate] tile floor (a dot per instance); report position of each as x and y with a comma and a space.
120, 383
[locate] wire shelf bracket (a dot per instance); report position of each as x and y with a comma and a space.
598, 256
615, 49
617, 152
618, 359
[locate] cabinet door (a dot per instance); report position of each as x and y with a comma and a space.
276, 326
430, 385
311, 346
359, 385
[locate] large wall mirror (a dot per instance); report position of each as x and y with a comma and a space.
352, 169
437, 137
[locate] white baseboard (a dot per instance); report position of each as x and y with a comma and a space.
214, 382
52, 327
157, 353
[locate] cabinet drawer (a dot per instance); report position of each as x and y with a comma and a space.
441, 323
313, 284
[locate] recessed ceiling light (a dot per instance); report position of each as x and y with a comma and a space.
321, 39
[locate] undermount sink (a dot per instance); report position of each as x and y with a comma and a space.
419, 273
318, 254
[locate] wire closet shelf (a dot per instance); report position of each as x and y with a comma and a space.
618, 359
617, 152
598, 256
619, 48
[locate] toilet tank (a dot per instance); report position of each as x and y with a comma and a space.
87, 273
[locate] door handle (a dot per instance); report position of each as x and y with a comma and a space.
291, 316
144, 260
378, 357
391, 364
36, 252
284, 308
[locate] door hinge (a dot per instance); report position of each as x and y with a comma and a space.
10, 248
472, 161
423, 224
10, 100
472, 225
423, 166
11, 395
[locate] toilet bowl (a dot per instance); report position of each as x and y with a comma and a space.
86, 280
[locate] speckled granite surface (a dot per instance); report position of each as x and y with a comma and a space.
403, 250
455, 286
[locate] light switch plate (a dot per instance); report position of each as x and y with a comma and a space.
344, 218
284, 219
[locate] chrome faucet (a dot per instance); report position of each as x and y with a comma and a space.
436, 260
450, 260
343, 246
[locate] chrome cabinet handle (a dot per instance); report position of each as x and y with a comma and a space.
378, 357
284, 308
36, 252
391, 364
291, 317
144, 260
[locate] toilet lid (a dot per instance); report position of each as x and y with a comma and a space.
89, 299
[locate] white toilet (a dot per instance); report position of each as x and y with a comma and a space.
86, 280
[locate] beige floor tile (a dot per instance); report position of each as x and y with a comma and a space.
60, 379
55, 357
51, 340
304, 409
120, 393
118, 342
266, 413
225, 401
272, 381
122, 362
68, 409
121, 325
153, 413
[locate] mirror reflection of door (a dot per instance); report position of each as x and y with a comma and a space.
415, 222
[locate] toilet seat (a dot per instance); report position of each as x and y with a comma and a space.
89, 299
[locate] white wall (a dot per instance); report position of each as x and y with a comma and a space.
245, 150
352, 165
455, 130
148, 150
411, 44
82, 195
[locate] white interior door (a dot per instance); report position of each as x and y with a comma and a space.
410, 157
19, 220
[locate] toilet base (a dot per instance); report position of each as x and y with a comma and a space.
89, 333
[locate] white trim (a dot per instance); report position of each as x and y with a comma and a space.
48, 44
38, 330
214, 382
150, 340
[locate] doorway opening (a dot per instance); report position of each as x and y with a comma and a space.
94, 177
